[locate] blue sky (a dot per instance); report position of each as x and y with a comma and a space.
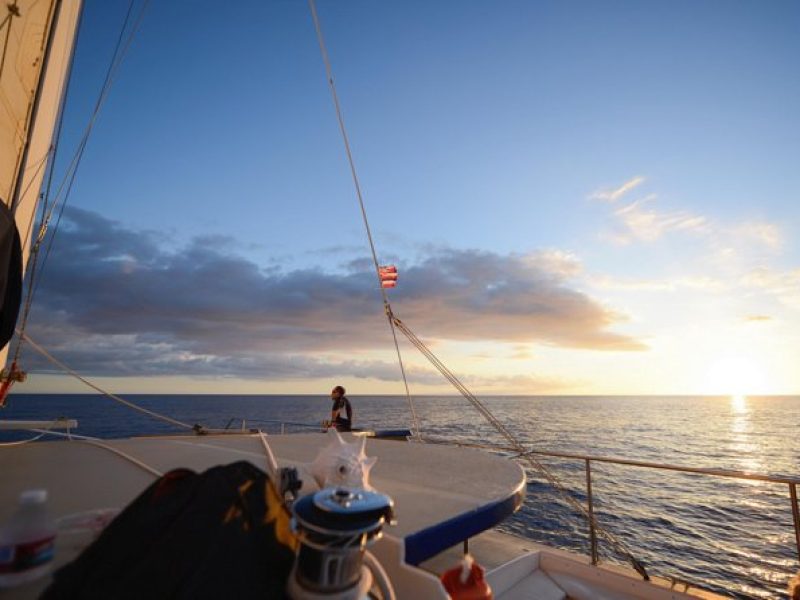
631, 167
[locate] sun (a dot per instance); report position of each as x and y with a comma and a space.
734, 376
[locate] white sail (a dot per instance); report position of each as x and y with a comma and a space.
38, 38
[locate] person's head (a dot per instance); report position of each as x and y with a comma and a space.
337, 392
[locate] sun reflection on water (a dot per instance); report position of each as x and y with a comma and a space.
746, 451
739, 403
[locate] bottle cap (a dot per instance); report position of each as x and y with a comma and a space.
33, 497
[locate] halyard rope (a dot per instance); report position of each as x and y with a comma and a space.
396, 323
345, 139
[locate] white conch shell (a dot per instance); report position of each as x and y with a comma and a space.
342, 464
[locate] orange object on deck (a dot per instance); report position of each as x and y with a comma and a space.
466, 582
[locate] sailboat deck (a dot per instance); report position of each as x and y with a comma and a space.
442, 495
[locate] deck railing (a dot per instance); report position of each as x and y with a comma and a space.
791, 482
587, 459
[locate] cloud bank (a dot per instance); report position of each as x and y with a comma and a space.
119, 302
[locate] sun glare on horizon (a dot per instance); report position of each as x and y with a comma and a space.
735, 376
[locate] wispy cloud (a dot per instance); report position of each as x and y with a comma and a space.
767, 234
647, 224
641, 220
514, 384
757, 318
782, 285
701, 283
614, 194
117, 302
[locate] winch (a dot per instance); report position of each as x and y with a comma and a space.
335, 526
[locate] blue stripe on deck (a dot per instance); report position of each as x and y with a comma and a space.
422, 545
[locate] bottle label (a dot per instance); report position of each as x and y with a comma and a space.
21, 557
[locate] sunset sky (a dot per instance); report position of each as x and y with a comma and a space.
580, 197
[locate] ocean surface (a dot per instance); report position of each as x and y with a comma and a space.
730, 536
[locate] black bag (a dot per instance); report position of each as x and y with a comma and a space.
211, 535
10, 274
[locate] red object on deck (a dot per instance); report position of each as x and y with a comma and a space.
473, 588
4, 389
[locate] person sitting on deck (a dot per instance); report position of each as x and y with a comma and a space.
341, 402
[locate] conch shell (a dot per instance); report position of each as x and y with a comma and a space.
342, 464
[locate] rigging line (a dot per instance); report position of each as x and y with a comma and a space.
33, 256
516, 445
41, 432
414, 420
78, 376
346, 140
52, 153
72, 171
121, 454
45, 197
38, 165
41, 163
13, 11
53, 14
23, 442
69, 436
116, 60
30, 273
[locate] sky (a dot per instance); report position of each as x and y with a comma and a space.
580, 198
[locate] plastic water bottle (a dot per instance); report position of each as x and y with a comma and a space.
27, 541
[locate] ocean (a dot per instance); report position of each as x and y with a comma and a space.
730, 536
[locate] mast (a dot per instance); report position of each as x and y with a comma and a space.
36, 40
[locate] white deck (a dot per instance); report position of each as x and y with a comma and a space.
429, 484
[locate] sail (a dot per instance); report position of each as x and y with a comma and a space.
36, 43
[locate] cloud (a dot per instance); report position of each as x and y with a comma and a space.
640, 221
612, 195
646, 224
781, 285
757, 318
114, 301
515, 383
556, 262
701, 283
766, 234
